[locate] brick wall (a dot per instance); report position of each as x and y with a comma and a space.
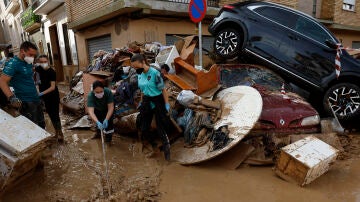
345, 17
77, 9
327, 10
332, 10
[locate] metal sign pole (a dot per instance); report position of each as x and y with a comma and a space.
200, 45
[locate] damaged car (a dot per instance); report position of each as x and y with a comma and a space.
283, 112
296, 46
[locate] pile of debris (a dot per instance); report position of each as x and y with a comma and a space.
195, 113
113, 68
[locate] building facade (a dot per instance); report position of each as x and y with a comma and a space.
110, 24
59, 41
11, 29
43, 22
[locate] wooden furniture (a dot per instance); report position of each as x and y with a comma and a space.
189, 78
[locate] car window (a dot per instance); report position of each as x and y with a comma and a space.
281, 16
312, 30
250, 75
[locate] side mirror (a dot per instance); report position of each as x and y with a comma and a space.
331, 44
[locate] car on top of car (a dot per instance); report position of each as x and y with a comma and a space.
296, 46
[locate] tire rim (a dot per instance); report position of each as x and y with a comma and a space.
344, 101
226, 43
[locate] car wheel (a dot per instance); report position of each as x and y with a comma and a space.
344, 100
227, 43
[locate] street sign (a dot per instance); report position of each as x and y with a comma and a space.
197, 10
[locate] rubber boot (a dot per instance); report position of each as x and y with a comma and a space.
166, 149
59, 136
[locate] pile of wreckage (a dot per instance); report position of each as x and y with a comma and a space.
215, 110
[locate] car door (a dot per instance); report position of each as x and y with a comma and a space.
268, 32
307, 54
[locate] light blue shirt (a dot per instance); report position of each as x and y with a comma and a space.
151, 83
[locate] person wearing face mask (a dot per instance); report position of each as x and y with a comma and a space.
154, 100
49, 93
18, 73
100, 105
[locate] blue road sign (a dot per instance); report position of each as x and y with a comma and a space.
197, 10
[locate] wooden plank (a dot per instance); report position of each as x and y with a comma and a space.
180, 82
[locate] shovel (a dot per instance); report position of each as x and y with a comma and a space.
105, 163
336, 123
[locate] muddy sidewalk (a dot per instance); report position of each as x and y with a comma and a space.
74, 172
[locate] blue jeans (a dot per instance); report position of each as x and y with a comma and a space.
34, 112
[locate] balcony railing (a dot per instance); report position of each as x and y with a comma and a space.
28, 18
211, 3
37, 3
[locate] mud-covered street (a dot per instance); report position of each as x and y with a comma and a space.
75, 172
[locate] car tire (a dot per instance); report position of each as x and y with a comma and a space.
228, 43
344, 99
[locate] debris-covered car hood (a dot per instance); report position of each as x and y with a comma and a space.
282, 112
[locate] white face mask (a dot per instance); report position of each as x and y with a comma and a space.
99, 95
45, 66
29, 60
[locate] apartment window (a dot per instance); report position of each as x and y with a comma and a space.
356, 44
349, 5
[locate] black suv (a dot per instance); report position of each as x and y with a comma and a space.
295, 45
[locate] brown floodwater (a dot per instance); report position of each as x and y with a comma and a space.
75, 172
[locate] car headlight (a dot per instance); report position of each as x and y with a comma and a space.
311, 120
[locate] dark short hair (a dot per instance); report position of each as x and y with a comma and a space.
166, 67
10, 55
43, 56
97, 84
139, 58
26, 45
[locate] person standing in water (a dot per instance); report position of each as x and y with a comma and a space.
154, 100
49, 93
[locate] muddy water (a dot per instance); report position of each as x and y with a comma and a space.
211, 182
75, 172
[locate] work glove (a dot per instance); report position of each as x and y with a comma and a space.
105, 124
167, 107
41, 94
15, 102
99, 125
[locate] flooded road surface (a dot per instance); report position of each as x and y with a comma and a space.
211, 182
257, 184
75, 172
